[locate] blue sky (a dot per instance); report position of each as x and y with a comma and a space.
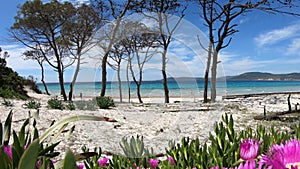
265, 42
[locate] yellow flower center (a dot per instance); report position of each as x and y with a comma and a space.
289, 165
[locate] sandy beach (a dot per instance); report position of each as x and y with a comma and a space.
157, 122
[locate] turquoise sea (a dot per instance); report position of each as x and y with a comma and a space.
179, 89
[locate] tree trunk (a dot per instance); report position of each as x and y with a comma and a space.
128, 82
120, 83
61, 83
104, 59
43, 79
164, 75
74, 78
289, 103
207, 73
104, 73
138, 91
214, 76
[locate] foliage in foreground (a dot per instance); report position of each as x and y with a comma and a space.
30, 150
224, 148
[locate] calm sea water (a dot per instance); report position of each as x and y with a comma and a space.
179, 89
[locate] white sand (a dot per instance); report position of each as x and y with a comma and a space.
157, 122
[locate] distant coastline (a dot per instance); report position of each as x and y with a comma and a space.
248, 76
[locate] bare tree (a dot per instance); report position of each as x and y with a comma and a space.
38, 25
162, 12
40, 58
117, 11
220, 17
117, 54
142, 45
78, 32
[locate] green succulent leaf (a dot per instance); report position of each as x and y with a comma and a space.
29, 157
69, 161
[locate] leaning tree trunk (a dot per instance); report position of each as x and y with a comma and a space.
164, 75
74, 78
205, 95
120, 83
43, 80
104, 59
214, 76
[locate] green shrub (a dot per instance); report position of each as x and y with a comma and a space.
105, 102
90, 105
32, 104
30, 82
54, 103
11, 84
7, 103
70, 106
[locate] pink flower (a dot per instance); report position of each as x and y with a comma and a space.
153, 163
249, 149
282, 156
8, 151
171, 160
38, 164
103, 162
80, 166
247, 165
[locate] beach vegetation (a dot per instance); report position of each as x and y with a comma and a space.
31, 150
225, 148
11, 84
55, 103
105, 102
70, 106
32, 104
7, 103
31, 83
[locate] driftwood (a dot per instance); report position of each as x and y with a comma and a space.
255, 95
188, 110
275, 116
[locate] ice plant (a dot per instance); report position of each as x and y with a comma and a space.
171, 160
8, 151
153, 163
249, 149
251, 164
282, 156
103, 162
80, 166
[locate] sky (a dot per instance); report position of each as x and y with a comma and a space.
265, 43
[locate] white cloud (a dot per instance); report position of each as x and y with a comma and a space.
294, 47
234, 65
277, 35
16, 60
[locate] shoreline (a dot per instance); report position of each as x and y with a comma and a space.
233, 96
190, 98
